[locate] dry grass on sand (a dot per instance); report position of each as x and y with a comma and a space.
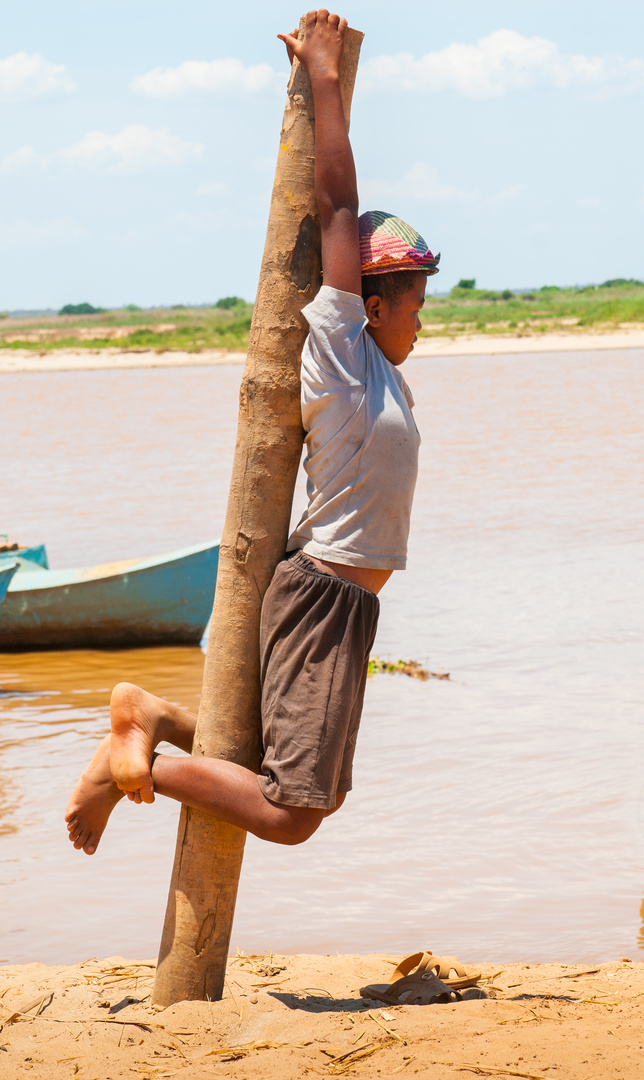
291, 1016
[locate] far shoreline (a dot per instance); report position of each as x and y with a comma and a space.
25, 360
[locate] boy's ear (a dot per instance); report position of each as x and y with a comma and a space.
374, 308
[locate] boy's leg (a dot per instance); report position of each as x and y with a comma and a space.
96, 793
224, 789
231, 793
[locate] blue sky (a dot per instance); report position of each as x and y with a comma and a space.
139, 138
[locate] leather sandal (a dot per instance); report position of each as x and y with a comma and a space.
413, 983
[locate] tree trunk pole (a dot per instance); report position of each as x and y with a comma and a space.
203, 889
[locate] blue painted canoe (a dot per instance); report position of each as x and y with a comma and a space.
165, 600
7, 570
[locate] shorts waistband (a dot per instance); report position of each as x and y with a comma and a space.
301, 560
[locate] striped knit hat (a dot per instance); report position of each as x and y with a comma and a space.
387, 243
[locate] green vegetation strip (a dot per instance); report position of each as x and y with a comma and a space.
480, 311
616, 304
193, 330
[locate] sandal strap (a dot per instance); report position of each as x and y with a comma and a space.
443, 965
409, 963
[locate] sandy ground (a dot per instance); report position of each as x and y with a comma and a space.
468, 345
291, 1016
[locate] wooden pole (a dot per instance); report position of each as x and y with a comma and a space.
203, 889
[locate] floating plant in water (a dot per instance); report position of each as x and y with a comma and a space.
404, 667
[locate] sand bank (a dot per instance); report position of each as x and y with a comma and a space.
493, 344
288, 1016
110, 359
468, 345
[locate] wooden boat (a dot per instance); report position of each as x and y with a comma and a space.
160, 601
7, 570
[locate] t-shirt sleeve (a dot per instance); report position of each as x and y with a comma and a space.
337, 323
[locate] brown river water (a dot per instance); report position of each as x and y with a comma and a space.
498, 815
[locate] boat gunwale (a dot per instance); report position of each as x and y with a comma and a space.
56, 579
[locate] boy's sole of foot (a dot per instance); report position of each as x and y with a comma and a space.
136, 717
92, 802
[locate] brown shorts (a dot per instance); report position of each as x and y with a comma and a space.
316, 635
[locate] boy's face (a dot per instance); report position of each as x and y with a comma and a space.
394, 327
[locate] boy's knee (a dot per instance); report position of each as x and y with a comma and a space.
303, 821
298, 825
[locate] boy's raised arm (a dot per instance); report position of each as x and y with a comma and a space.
336, 187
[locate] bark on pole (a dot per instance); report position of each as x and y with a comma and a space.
203, 889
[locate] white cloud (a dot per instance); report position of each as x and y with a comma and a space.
23, 160
207, 76
506, 194
211, 189
135, 149
20, 233
498, 63
24, 77
420, 182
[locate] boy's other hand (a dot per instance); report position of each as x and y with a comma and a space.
287, 39
320, 51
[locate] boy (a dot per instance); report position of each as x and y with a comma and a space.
320, 612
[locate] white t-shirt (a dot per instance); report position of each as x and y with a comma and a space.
361, 440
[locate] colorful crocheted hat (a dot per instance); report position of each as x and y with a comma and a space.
387, 243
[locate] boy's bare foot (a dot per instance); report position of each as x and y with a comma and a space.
92, 801
138, 725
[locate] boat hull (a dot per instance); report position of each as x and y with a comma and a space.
6, 573
162, 601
